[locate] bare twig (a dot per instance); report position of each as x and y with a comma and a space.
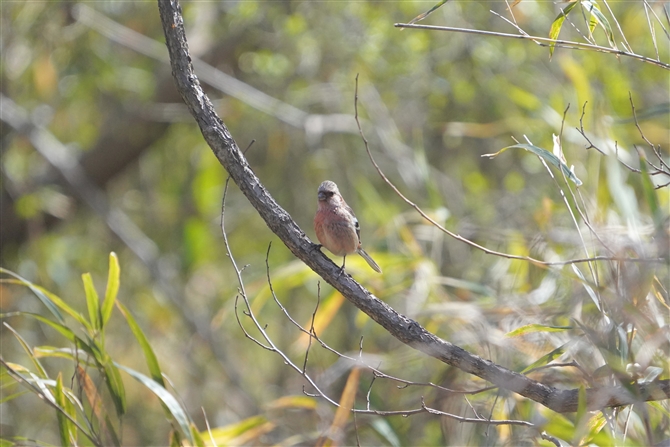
458, 236
475, 420
404, 329
543, 41
623, 36
652, 30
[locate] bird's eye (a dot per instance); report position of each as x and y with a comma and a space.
330, 193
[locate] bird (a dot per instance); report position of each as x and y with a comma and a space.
337, 227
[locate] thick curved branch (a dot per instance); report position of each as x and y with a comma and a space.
278, 220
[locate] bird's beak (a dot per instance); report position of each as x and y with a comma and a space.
321, 195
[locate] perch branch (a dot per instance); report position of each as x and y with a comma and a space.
408, 331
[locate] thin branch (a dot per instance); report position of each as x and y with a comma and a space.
652, 30
458, 236
476, 420
406, 330
623, 36
543, 41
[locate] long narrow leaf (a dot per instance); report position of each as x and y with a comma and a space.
50, 300
557, 24
66, 429
113, 281
149, 355
547, 358
115, 385
168, 399
536, 328
545, 155
423, 15
92, 301
600, 18
38, 292
26, 347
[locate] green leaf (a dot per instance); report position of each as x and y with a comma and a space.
92, 301
382, 427
427, 13
38, 292
529, 328
545, 155
113, 281
149, 355
168, 399
599, 17
79, 355
547, 358
557, 24
26, 347
66, 429
195, 434
114, 384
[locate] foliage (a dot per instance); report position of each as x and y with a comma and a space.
433, 104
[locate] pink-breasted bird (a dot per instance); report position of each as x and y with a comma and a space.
336, 225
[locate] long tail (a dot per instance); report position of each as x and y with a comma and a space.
371, 262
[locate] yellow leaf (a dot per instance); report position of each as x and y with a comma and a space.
342, 414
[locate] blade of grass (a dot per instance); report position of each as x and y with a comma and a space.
113, 282
545, 155
38, 292
529, 328
557, 24
92, 301
168, 399
149, 355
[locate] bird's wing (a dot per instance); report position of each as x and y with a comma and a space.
357, 226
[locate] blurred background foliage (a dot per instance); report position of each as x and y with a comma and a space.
95, 76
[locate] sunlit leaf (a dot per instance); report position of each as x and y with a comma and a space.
114, 384
243, 432
197, 437
113, 281
78, 356
149, 355
344, 410
66, 429
326, 312
304, 402
92, 301
596, 14
26, 347
529, 328
547, 358
176, 410
557, 24
427, 13
545, 155
38, 292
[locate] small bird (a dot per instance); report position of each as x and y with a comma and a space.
336, 225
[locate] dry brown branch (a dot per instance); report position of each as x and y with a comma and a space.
404, 329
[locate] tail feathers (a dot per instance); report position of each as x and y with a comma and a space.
371, 262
